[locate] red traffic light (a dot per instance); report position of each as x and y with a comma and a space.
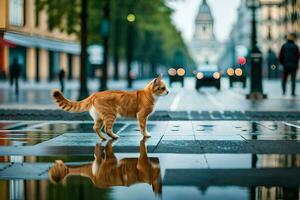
242, 60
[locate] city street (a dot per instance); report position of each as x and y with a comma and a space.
211, 158
224, 124
180, 99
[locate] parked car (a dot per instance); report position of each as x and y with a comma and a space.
236, 75
207, 76
176, 75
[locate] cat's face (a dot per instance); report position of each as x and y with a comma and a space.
159, 87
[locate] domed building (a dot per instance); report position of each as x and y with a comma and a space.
204, 47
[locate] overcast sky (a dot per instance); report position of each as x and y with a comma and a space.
224, 12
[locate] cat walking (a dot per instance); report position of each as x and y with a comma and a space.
104, 107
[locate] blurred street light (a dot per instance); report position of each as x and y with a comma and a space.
130, 45
242, 60
130, 17
238, 72
180, 72
256, 90
230, 71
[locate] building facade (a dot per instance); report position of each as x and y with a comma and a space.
204, 46
239, 38
41, 52
275, 19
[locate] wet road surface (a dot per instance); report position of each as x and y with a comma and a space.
182, 160
179, 99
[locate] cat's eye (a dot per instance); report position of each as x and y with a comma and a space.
163, 88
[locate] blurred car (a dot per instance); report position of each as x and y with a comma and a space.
208, 75
176, 75
237, 75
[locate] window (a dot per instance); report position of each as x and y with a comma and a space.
16, 12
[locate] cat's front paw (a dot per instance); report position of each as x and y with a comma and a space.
146, 134
114, 136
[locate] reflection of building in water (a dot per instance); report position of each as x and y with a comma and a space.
278, 161
204, 46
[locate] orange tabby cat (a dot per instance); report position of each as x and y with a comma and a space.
105, 106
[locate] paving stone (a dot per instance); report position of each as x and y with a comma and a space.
182, 146
179, 128
3, 166
275, 146
219, 137
194, 115
178, 137
220, 146
56, 114
25, 171
271, 136
227, 177
181, 161
217, 115
229, 161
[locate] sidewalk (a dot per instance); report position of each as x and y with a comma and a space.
34, 95
93, 85
78, 138
206, 149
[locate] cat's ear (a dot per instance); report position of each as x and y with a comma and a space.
158, 79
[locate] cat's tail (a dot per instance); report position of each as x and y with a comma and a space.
71, 106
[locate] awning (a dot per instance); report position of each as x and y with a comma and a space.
7, 43
43, 43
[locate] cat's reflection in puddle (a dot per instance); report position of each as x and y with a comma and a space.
106, 171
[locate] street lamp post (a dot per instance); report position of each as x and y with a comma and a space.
129, 49
256, 89
83, 91
105, 35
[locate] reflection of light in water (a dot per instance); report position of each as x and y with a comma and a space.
273, 67
16, 187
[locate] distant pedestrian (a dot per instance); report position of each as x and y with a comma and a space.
61, 76
15, 70
289, 58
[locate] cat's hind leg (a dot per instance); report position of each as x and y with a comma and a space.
109, 120
97, 128
98, 122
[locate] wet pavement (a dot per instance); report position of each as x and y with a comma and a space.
37, 96
182, 160
205, 144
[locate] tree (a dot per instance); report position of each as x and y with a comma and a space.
156, 38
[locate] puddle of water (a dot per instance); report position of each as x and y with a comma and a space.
16, 125
74, 127
7, 125
82, 188
143, 176
153, 176
24, 138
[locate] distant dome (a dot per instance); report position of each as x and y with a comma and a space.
204, 13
